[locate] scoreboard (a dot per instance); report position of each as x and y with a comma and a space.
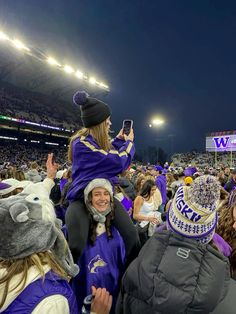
221, 143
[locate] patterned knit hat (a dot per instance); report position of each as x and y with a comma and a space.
193, 210
93, 111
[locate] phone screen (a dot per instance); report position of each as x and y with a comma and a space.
127, 125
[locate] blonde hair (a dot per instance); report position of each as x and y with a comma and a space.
34, 165
99, 132
21, 266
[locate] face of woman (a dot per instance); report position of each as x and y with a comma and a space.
234, 218
108, 122
100, 199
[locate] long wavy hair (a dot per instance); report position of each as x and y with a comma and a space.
225, 227
93, 224
147, 188
99, 132
20, 267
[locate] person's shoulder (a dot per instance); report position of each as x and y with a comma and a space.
139, 199
227, 305
57, 304
86, 142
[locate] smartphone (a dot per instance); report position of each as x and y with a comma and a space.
127, 126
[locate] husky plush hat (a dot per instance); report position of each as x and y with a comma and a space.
28, 225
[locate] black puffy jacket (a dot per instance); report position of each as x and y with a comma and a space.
174, 275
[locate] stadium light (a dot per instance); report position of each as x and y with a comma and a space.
9, 138
50, 143
102, 85
16, 43
3, 36
157, 122
19, 45
79, 74
53, 61
33, 141
68, 69
92, 80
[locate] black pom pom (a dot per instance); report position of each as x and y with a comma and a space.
80, 98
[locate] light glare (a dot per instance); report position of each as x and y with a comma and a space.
53, 61
68, 69
19, 45
157, 121
79, 74
92, 80
3, 36
103, 85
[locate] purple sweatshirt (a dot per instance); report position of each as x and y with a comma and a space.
91, 162
101, 265
161, 184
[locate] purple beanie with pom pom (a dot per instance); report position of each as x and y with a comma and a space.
93, 111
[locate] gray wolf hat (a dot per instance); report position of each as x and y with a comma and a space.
28, 225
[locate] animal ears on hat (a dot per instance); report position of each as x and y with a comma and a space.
19, 212
80, 98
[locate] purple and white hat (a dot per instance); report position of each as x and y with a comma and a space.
193, 212
5, 188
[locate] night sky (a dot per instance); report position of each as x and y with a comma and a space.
173, 58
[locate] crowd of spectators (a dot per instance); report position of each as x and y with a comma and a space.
204, 159
184, 259
21, 155
36, 107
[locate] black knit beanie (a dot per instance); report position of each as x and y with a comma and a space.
93, 111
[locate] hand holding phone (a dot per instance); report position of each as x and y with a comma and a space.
127, 126
130, 136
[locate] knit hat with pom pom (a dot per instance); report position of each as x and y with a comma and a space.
93, 111
193, 212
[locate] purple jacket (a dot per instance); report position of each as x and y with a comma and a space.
101, 265
91, 162
161, 184
38, 290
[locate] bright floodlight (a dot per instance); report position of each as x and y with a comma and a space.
157, 121
3, 36
52, 61
79, 74
68, 69
150, 125
16, 43
103, 85
92, 80
19, 45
